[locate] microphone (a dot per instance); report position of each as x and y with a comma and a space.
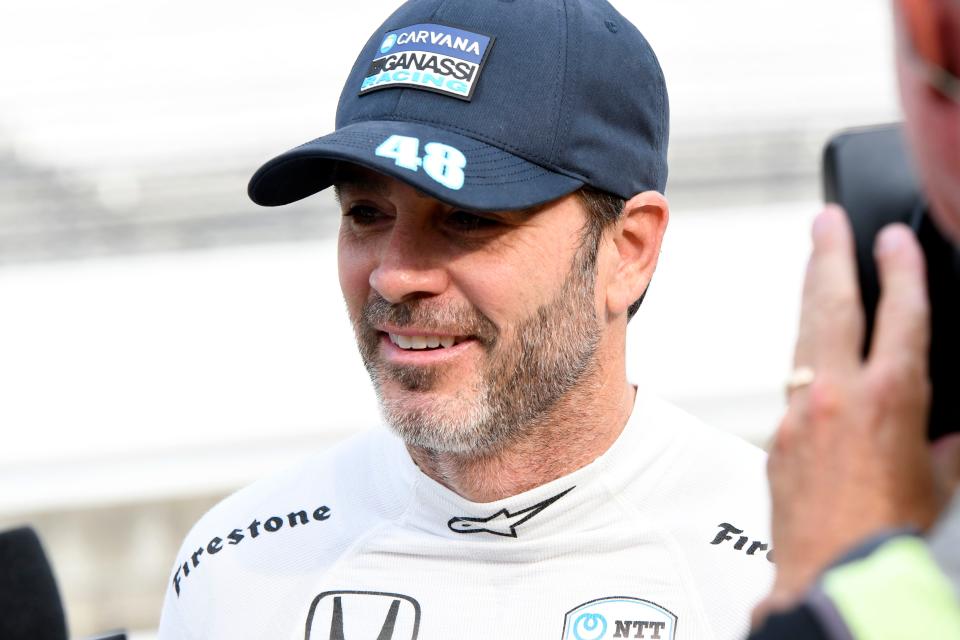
30, 607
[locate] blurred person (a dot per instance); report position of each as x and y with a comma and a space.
500, 166
853, 480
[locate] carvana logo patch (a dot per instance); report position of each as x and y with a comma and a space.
431, 57
388, 43
619, 617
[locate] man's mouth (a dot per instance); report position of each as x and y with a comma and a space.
425, 342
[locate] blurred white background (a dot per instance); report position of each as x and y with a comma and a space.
163, 341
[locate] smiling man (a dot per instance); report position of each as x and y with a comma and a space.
500, 167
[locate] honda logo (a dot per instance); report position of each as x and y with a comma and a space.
363, 615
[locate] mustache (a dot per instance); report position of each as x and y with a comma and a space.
458, 320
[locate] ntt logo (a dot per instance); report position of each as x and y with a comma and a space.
388, 43
590, 626
619, 617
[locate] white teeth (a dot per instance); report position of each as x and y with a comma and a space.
422, 342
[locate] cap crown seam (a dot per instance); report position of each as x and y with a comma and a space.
564, 116
664, 113
405, 91
664, 122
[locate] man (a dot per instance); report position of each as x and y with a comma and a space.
500, 167
852, 477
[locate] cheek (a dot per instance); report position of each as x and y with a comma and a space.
510, 287
933, 129
932, 121
943, 192
354, 268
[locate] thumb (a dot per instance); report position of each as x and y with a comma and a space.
775, 602
946, 463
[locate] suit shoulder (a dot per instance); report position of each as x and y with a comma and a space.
307, 516
331, 475
708, 448
706, 477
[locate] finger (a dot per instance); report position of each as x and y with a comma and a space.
902, 335
803, 351
831, 317
946, 463
761, 612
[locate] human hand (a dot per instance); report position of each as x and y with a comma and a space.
946, 463
850, 457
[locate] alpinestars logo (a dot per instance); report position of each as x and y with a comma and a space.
503, 522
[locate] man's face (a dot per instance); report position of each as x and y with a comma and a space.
928, 37
472, 325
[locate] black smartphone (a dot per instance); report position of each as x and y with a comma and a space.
868, 172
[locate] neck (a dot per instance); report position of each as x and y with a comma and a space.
577, 430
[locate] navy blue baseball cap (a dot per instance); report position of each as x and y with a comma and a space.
493, 105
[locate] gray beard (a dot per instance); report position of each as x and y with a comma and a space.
553, 351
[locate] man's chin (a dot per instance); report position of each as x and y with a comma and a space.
398, 381
430, 414
412, 394
431, 423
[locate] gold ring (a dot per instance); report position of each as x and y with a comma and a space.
799, 378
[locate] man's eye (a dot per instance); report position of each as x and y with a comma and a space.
363, 215
467, 221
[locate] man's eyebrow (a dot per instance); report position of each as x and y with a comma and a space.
537, 208
345, 178
349, 177
352, 177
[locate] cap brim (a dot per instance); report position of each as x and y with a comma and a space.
494, 180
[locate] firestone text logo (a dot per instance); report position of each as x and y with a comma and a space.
251, 531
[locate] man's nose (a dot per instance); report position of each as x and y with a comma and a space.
410, 267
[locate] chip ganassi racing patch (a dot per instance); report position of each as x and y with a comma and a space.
619, 617
431, 57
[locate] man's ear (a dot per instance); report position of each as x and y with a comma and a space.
637, 237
